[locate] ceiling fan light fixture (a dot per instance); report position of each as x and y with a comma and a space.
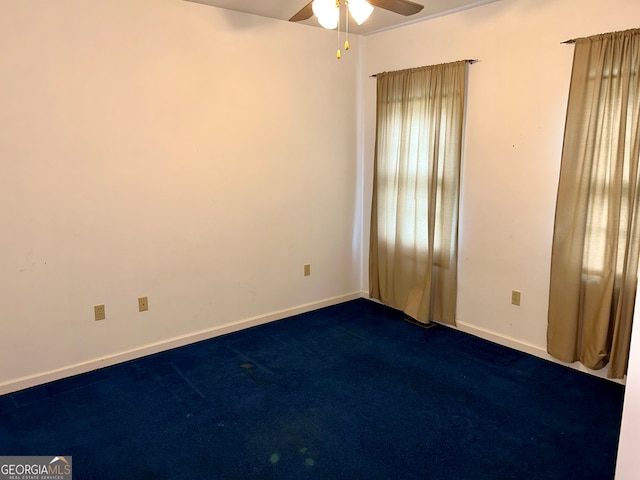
359, 10
327, 12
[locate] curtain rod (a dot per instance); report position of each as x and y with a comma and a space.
632, 31
374, 75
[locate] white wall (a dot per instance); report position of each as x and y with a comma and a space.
517, 98
166, 149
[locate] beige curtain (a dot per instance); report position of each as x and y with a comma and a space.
594, 264
414, 218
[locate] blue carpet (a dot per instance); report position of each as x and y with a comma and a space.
350, 391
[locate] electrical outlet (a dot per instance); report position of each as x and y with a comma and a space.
515, 297
143, 304
307, 270
99, 312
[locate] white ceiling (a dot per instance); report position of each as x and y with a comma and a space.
380, 19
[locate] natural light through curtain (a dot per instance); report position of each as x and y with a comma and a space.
414, 218
594, 265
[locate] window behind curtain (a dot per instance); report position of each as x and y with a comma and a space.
413, 254
594, 265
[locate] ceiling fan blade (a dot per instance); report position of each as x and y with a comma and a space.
305, 13
403, 7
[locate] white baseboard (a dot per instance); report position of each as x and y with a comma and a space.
521, 346
44, 377
529, 348
15, 385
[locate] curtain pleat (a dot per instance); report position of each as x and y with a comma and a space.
414, 218
594, 264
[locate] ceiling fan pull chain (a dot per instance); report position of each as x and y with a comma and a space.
338, 54
346, 22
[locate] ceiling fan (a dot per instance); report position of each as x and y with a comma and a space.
328, 13
402, 7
